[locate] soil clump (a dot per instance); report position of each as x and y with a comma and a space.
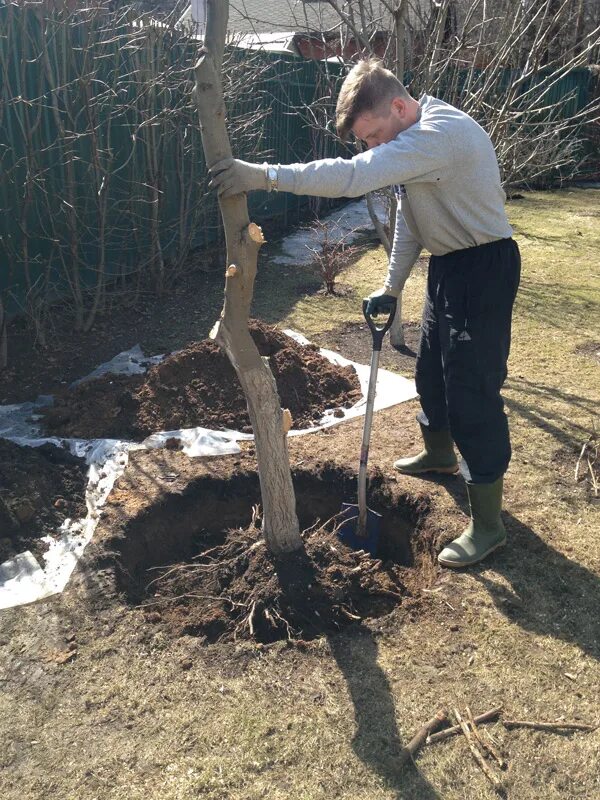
39, 488
198, 387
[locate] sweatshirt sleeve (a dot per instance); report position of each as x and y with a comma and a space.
423, 152
405, 251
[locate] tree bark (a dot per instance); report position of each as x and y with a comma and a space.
243, 240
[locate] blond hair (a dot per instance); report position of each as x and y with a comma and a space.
367, 86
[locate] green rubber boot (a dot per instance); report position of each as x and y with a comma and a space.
484, 533
438, 455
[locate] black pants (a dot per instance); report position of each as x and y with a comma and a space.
465, 341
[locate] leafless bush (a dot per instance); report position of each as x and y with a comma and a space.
505, 63
333, 253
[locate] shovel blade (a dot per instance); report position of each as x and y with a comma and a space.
348, 530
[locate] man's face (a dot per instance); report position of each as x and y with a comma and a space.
383, 125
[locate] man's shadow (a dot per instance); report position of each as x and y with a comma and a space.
547, 593
377, 741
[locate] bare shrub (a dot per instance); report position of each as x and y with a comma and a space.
333, 253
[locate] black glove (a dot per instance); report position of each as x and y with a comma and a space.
380, 303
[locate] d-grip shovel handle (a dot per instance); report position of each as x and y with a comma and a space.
379, 331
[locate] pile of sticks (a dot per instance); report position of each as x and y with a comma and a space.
590, 451
484, 749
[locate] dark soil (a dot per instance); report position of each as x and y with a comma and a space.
590, 349
198, 387
239, 590
190, 552
355, 342
39, 488
565, 462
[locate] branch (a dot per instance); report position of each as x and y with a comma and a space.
408, 752
548, 726
489, 716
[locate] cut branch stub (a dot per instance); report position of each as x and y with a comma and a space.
243, 239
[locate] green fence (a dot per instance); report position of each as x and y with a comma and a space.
102, 177
101, 166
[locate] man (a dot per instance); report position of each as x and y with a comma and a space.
452, 203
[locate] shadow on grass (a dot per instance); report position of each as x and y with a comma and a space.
547, 593
556, 306
535, 410
377, 741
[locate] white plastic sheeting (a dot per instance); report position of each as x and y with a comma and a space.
348, 224
23, 579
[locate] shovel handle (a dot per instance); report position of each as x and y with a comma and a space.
378, 330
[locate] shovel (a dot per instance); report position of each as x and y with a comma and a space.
361, 526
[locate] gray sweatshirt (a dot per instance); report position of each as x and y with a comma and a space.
447, 178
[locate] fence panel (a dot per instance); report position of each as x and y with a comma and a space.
102, 174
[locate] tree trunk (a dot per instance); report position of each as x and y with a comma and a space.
400, 32
243, 239
579, 25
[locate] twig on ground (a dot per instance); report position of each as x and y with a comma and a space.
479, 759
288, 627
593, 478
349, 614
487, 746
408, 752
579, 460
589, 451
548, 726
489, 716
250, 618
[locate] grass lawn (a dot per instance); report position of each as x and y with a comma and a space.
137, 715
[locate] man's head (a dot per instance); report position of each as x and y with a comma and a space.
374, 105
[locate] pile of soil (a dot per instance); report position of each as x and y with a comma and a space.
239, 591
39, 488
198, 387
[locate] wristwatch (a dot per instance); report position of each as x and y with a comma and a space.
272, 178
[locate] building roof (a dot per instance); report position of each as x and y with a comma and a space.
272, 16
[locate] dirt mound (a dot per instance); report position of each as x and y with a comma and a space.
238, 590
39, 488
198, 387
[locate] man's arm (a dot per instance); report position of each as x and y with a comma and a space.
421, 153
405, 251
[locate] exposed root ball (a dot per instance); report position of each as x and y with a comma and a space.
239, 590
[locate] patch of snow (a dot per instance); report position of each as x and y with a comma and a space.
347, 223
